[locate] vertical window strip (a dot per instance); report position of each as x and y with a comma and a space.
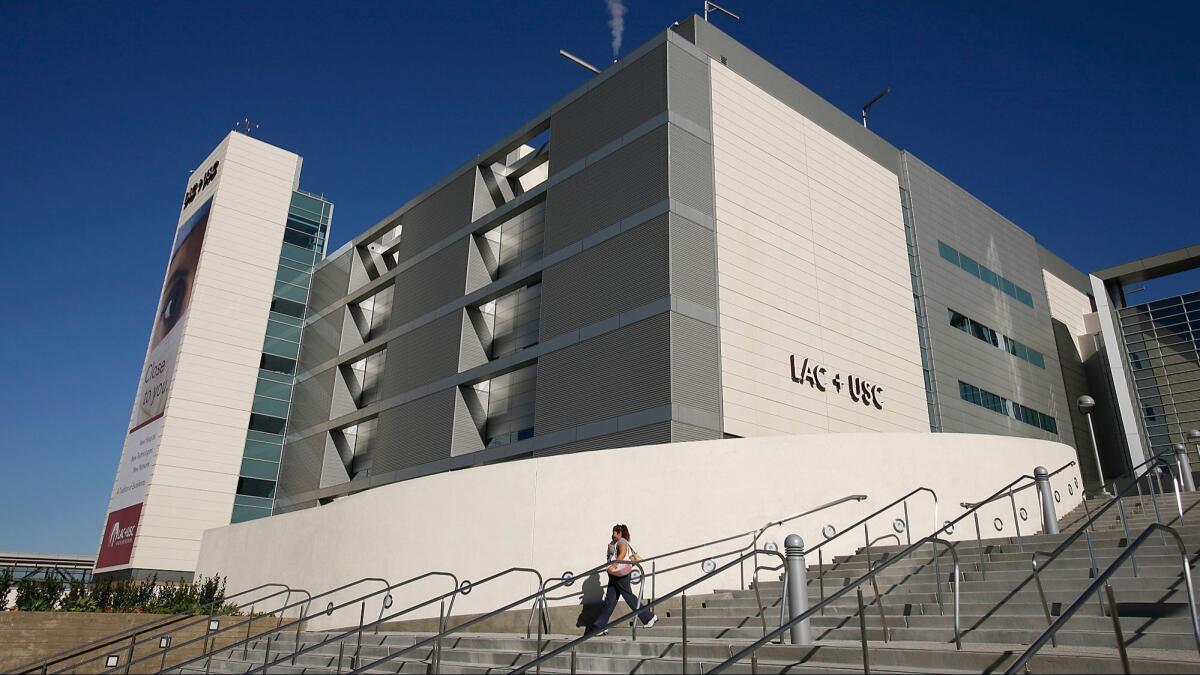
302, 230
914, 268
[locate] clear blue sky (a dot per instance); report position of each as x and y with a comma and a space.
1078, 121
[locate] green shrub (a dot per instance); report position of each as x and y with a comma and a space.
77, 599
38, 595
6, 585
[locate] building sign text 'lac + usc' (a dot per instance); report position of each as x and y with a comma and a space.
200, 184
817, 376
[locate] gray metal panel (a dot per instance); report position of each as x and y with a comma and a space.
616, 187
321, 340
650, 434
693, 262
688, 88
311, 400
943, 211
333, 470
433, 218
471, 352
422, 355
300, 470
695, 366
435, 281
681, 432
343, 401
741, 60
691, 170
465, 436
414, 433
1064, 270
620, 372
616, 106
329, 283
617, 275
477, 271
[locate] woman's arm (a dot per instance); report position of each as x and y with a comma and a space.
622, 549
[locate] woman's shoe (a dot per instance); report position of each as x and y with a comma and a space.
653, 620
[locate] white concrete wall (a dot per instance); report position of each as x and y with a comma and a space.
195, 473
555, 513
1071, 307
811, 260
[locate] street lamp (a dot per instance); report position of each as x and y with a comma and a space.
1086, 405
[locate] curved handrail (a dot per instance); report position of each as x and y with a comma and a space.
757, 532
298, 622
572, 644
871, 574
762, 611
287, 595
876, 512
122, 637
463, 587
1102, 581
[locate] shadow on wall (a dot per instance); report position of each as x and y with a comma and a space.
591, 602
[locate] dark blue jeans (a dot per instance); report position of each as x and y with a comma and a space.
620, 586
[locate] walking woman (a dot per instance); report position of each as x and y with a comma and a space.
620, 565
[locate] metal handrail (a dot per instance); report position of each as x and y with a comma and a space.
872, 573
682, 590
43, 665
903, 500
465, 587
1083, 530
757, 532
1102, 582
304, 616
862, 521
305, 606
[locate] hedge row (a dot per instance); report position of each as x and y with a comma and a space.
140, 597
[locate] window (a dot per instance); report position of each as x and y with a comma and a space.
999, 404
984, 274
960, 322
288, 307
278, 364
256, 487
267, 423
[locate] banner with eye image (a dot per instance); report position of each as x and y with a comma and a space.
154, 387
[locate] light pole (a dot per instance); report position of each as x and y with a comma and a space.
1194, 437
1086, 405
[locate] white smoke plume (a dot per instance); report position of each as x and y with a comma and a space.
616, 21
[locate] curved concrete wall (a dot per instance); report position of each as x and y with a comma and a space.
555, 513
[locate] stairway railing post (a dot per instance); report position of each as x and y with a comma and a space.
862, 631
797, 589
1185, 469
1046, 497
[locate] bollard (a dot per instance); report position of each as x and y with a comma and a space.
797, 589
1185, 467
1049, 519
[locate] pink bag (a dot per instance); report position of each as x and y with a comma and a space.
620, 568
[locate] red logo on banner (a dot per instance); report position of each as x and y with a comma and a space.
119, 532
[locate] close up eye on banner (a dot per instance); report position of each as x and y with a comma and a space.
141, 442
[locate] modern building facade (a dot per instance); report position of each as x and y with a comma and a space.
690, 246
206, 431
1151, 358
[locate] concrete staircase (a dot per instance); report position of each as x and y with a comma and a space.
1001, 613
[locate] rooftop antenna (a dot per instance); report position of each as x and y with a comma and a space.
578, 61
709, 5
867, 106
247, 124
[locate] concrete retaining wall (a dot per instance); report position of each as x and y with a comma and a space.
555, 513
